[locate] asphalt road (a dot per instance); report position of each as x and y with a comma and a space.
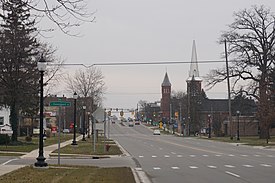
167, 158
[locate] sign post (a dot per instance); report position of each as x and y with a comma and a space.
59, 104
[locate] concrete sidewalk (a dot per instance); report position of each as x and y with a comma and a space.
5, 168
47, 150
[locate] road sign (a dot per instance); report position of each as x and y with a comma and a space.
99, 114
60, 103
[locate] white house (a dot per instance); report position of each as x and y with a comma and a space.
5, 127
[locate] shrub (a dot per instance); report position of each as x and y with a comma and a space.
28, 138
4, 139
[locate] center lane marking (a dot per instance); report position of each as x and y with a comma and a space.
233, 174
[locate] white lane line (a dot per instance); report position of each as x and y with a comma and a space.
218, 155
179, 156
205, 155
173, 153
248, 166
229, 166
231, 155
192, 155
244, 155
154, 156
166, 156
270, 156
140, 156
175, 167
266, 165
230, 173
193, 167
138, 169
211, 166
8, 161
256, 155
156, 168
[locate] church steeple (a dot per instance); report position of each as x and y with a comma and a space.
165, 98
166, 81
194, 69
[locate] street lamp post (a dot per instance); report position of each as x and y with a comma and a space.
75, 97
209, 126
41, 65
83, 124
238, 126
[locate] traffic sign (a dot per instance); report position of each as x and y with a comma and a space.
60, 103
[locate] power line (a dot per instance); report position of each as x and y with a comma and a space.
140, 63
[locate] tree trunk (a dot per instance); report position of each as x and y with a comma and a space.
14, 121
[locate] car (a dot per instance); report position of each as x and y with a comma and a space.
66, 131
137, 123
130, 124
156, 132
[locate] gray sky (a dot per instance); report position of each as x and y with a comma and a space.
148, 31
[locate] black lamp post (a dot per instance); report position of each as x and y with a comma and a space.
75, 97
238, 126
209, 126
83, 124
41, 65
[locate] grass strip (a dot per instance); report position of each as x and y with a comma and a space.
72, 174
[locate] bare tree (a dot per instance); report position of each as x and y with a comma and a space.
65, 14
88, 84
251, 44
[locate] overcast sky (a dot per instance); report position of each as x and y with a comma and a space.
150, 31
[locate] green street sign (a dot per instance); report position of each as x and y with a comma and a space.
60, 103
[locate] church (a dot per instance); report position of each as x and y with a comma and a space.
201, 114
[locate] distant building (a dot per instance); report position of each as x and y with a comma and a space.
5, 127
166, 98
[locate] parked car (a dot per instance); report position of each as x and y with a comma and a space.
156, 132
137, 123
66, 131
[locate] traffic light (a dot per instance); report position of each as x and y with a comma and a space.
121, 113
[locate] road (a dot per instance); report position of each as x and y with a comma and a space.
167, 158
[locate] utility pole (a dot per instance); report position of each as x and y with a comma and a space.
229, 92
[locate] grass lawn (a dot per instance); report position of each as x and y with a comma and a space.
86, 148
24, 146
249, 140
72, 174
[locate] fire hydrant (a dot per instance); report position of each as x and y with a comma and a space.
107, 147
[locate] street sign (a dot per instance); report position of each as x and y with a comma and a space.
60, 103
99, 114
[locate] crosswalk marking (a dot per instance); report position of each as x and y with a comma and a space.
156, 168
211, 166
154, 156
229, 166
140, 156
166, 156
248, 166
193, 167
266, 165
175, 167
